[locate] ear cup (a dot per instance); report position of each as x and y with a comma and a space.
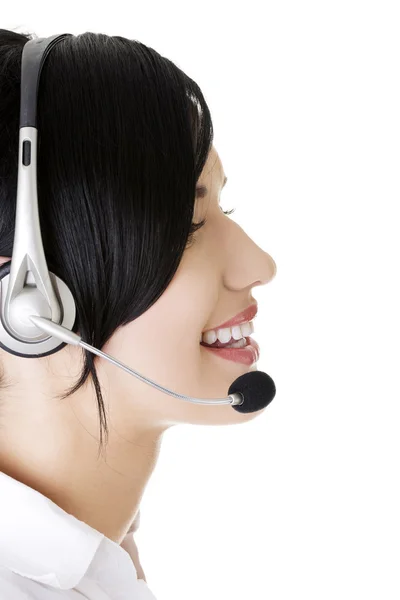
44, 347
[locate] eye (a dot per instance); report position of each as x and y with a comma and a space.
227, 212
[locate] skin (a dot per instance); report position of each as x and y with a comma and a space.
55, 443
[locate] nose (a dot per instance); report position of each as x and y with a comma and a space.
247, 265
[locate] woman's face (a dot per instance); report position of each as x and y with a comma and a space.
213, 284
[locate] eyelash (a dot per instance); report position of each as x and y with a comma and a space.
228, 212
196, 226
201, 192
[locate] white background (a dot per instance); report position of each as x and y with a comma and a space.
302, 502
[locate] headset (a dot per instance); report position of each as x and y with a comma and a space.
37, 309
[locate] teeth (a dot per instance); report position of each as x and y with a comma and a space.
237, 332
225, 334
246, 329
210, 337
239, 344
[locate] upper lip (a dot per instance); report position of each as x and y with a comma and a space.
246, 315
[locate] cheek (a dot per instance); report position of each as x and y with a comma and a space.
192, 296
163, 344
169, 332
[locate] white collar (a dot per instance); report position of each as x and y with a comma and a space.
41, 541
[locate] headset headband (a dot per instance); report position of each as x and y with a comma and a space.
26, 285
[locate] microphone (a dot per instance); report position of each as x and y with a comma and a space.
250, 392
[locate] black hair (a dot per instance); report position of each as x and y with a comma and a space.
123, 136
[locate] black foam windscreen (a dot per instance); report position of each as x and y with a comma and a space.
258, 391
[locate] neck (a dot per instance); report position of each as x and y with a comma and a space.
55, 451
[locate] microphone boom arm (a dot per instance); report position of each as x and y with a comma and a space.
69, 337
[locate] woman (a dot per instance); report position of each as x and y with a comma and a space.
129, 184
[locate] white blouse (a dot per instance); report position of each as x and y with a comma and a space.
47, 553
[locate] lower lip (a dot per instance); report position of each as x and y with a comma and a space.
246, 356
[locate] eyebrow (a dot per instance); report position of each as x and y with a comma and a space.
202, 190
